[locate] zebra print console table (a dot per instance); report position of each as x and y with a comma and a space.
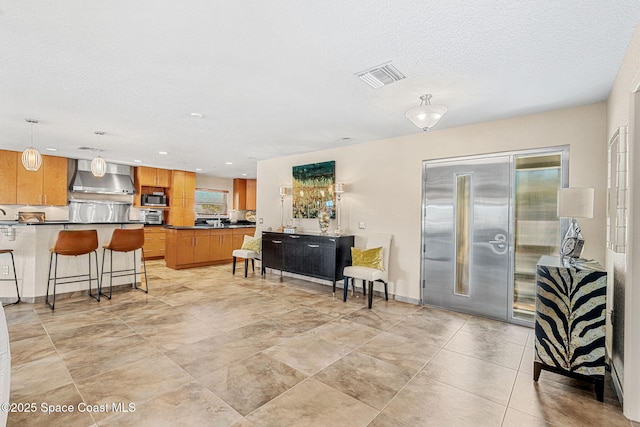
570, 321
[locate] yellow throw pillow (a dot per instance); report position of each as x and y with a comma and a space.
252, 243
371, 258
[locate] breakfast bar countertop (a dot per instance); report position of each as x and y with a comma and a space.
67, 222
209, 227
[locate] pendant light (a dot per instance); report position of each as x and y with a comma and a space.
31, 158
425, 116
98, 164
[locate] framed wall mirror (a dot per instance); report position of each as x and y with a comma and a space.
617, 191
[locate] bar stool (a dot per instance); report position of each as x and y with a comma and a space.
15, 277
125, 240
73, 243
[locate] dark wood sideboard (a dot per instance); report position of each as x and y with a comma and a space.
319, 256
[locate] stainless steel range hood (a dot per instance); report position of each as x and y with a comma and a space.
117, 180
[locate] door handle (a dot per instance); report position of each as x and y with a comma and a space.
499, 240
314, 246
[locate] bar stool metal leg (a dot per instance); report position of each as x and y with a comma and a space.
55, 277
143, 271
15, 277
95, 296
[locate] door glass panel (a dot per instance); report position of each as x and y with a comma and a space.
537, 230
463, 229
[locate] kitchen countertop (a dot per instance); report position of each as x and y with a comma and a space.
66, 222
210, 227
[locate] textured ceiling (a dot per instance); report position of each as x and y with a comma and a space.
275, 78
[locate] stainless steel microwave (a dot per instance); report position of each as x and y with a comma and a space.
152, 216
153, 200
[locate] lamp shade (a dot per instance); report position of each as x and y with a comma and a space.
575, 202
285, 191
98, 166
425, 116
31, 159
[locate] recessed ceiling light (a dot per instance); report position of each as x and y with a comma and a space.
163, 152
51, 149
228, 163
198, 169
137, 161
196, 115
244, 174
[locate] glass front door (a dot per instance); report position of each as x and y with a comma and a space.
486, 222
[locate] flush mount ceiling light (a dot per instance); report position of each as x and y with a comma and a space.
98, 164
425, 116
31, 158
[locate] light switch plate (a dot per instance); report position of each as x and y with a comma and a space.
261, 221
362, 225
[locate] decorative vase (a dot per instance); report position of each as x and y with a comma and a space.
323, 220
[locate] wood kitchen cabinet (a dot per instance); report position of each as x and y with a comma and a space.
154, 242
148, 180
251, 194
46, 186
244, 194
8, 175
196, 247
153, 177
182, 198
221, 245
187, 247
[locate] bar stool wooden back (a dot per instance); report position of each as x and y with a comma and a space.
125, 240
15, 277
73, 243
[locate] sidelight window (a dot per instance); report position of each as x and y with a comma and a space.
462, 233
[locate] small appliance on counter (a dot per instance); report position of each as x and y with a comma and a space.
152, 216
153, 199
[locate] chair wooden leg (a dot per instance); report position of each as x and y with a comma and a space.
234, 266
370, 294
246, 266
364, 287
253, 265
386, 293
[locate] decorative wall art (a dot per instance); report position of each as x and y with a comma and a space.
313, 189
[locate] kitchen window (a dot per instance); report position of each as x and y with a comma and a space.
211, 202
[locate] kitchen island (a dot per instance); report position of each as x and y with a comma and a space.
31, 243
203, 245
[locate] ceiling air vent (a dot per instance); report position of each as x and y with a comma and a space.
381, 75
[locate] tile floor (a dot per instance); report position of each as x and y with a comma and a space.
204, 348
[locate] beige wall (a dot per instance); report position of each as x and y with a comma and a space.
383, 178
621, 112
